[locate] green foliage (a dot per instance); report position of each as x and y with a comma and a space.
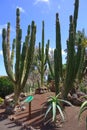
54, 105
1, 100
6, 86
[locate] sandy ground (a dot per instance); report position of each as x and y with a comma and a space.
71, 117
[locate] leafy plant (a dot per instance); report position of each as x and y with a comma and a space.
55, 104
82, 109
1, 100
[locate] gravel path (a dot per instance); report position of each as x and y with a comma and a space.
6, 124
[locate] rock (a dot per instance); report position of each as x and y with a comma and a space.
76, 101
74, 96
9, 110
23, 108
79, 93
69, 97
9, 96
22, 95
41, 90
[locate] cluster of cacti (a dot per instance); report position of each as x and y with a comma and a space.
24, 55
42, 66
19, 72
73, 57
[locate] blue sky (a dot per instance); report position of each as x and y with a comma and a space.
39, 10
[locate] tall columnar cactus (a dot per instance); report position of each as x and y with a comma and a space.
57, 73
71, 52
19, 72
58, 45
81, 65
48, 59
42, 66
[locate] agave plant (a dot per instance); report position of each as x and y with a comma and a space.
54, 105
82, 109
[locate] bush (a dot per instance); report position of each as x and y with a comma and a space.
1, 100
6, 86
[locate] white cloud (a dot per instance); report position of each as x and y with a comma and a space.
21, 9
1, 52
37, 1
63, 52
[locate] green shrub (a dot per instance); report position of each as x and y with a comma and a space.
1, 100
6, 86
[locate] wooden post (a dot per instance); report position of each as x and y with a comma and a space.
29, 109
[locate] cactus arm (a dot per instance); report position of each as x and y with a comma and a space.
58, 44
77, 58
24, 55
12, 53
18, 44
76, 7
39, 56
4, 47
47, 58
8, 42
30, 53
80, 69
42, 55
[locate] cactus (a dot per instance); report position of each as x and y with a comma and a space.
70, 61
58, 45
57, 73
48, 59
71, 52
19, 72
42, 66
81, 65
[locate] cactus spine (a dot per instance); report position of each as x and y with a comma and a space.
23, 59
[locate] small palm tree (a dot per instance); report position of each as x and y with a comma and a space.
54, 104
82, 109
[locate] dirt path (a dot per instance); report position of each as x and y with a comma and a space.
71, 122
6, 124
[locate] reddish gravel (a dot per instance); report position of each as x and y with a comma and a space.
71, 122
